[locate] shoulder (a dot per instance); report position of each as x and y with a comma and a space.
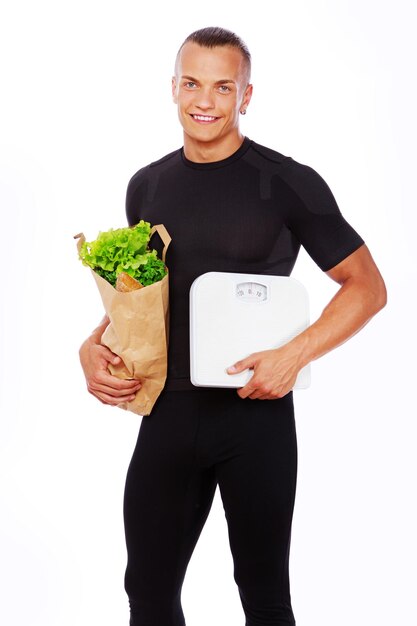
299, 176
170, 157
290, 166
154, 167
303, 180
267, 154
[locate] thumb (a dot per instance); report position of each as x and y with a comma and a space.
111, 357
239, 366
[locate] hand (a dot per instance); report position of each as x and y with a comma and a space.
104, 386
275, 373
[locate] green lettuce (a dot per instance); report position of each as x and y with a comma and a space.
124, 250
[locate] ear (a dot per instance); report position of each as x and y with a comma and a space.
174, 89
247, 96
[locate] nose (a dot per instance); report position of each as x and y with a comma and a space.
204, 99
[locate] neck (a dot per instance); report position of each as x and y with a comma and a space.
209, 151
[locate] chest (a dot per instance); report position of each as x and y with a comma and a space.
213, 215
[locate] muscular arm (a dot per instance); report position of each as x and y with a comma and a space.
361, 295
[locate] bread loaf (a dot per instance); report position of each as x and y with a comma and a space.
125, 283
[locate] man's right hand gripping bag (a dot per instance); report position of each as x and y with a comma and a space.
138, 332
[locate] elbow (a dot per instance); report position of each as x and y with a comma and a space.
384, 298
373, 294
379, 295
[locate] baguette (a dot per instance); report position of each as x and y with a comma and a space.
125, 283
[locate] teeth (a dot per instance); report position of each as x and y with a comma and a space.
204, 118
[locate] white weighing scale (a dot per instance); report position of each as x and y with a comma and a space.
233, 315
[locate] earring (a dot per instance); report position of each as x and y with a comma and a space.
243, 112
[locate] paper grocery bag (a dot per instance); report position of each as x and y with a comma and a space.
138, 332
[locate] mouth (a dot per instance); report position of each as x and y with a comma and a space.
204, 119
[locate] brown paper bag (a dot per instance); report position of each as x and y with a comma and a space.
138, 332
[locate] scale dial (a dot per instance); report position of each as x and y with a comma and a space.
251, 292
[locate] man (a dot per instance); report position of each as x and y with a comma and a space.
233, 205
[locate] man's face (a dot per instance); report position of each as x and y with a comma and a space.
210, 88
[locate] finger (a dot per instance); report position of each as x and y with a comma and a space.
274, 395
113, 393
95, 387
107, 379
245, 391
237, 367
257, 394
107, 399
255, 390
109, 356
248, 363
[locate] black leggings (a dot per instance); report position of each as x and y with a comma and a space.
192, 441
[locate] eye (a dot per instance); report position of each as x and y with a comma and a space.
224, 89
190, 84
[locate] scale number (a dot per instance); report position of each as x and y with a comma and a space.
252, 292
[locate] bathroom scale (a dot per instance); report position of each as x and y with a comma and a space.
233, 315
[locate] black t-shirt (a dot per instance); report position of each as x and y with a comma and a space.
247, 213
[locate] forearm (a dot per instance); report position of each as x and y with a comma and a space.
361, 295
95, 337
97, 332
348, 311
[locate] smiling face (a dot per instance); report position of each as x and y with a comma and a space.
210, 88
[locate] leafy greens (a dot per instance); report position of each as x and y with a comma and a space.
124, 250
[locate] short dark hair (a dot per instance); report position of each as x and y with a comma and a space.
213, 36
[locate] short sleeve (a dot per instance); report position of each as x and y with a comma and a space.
315, 218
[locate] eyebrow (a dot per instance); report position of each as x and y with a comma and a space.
218, 82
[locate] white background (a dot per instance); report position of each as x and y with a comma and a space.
85, 103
